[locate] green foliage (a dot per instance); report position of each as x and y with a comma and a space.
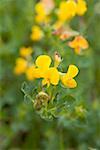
71, 120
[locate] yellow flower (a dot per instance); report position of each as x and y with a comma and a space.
25, 52
32, 72
42, 13
67, 10
21, 66
49, 74
39, 8
37, 33
81, 7
67, 79
78, 44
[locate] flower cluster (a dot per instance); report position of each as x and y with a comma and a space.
50, 75
64, 12
52, 23
43, 10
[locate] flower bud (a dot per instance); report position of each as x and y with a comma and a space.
57, 59
41, 100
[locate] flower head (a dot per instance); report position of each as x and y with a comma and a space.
67, 79
78, 44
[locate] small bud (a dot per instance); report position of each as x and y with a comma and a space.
57, 59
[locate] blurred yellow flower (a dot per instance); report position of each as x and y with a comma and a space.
67, 79
36, 34
81, 7
21, 66
78, 44
66, 10
39, 8
25, 52
41, 13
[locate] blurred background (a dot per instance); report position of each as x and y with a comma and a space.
20, 126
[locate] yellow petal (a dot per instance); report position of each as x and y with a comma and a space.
42, 12
30, 72
79, 42
44, 82
54, 79
43, 61
78, 50
82, 42
51, 76
33, 73
73, 44
72, 71
39, 8
38, 73
68, 82
67, 10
